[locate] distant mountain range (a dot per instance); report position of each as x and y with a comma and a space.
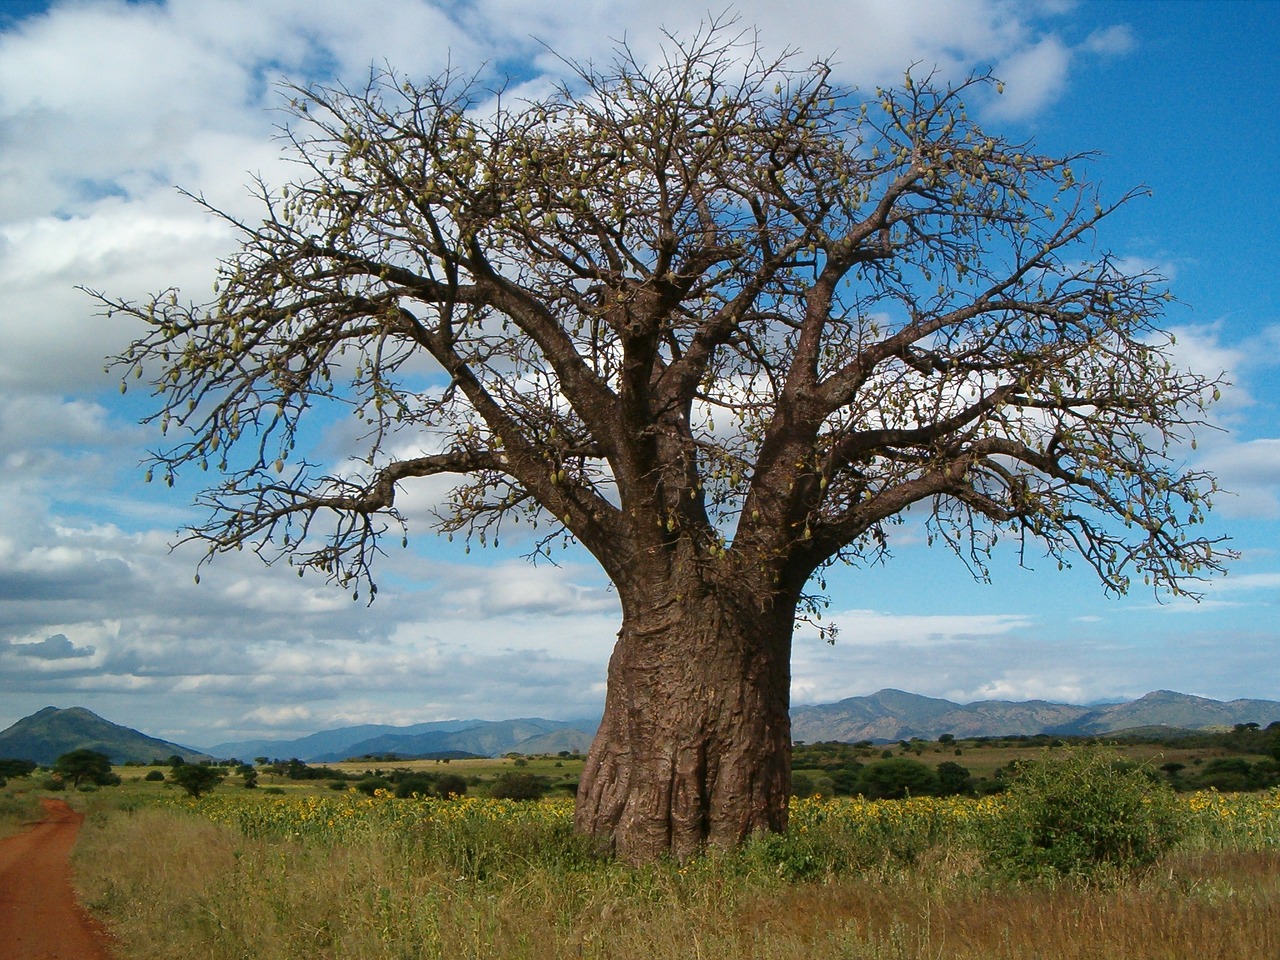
48, 734
886, 716
486, 738
892, 715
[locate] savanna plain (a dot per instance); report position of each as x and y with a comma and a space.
1083, 856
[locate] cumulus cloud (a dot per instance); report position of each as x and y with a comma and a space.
1250, 475
56, 647
1246, 465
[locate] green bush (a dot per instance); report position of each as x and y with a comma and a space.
451, 785
1084, 814
518, 786
421, 784
953, 779
11, 768
896, 778
368, 785
1236, 774
83, 765
196, 778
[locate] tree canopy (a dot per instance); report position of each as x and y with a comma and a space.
196, 778
621, 286
85, 764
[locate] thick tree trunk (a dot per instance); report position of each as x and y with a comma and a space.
695, 744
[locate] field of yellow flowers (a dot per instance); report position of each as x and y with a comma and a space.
1232, 821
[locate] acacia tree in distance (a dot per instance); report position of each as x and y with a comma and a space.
85, 764
717, 320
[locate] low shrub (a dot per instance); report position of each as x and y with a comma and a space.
518, 786
1084, 814
451, 785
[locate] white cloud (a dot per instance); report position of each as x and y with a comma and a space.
1247, 582
1033, 77
39, 419
1248, 469
290, 717
508, 588
1035, 73
870, 626
1113, 40
1250, 474
1030, 685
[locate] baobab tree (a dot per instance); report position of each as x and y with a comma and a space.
720, 321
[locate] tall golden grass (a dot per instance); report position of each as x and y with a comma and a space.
279, 878
19, 807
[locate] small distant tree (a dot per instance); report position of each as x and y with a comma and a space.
846, 780
249, 776
16, 768
80, 766
952, 778
896, 778
518, 786
196, 778
369, 784
422, 784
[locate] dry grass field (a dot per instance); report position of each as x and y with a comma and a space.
191, 888
305, 875
18, 808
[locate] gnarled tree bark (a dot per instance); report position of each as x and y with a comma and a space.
695, 744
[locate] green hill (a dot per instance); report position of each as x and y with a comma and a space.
46, 735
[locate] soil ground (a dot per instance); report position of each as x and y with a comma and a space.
40, 918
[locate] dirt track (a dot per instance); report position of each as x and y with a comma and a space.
39, 916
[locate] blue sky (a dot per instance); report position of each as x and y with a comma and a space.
105, 106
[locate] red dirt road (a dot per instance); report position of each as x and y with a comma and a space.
40, 918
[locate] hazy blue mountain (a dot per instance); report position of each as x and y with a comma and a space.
487, 738
328, 742
891, 715
885, 716
47, 734
1165, 708
573, 739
